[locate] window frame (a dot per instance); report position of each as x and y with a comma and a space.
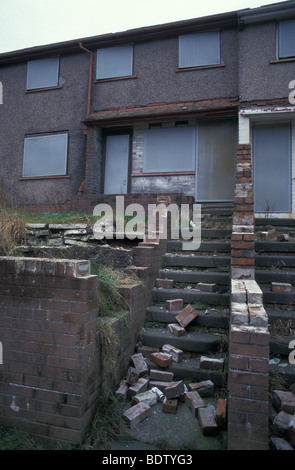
279, 41
54, 84
46, 174
196, 64
111, 75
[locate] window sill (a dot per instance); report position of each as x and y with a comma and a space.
164, 173
26, 178
44, 89
282, 61
127, 77
200, 67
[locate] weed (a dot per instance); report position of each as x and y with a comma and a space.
12, 231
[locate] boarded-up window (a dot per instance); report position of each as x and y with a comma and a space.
42, 73
114, 62
45, 155
272, 168
199, 49
286, 39
169, 149
217, 141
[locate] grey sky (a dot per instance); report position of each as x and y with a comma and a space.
28, 23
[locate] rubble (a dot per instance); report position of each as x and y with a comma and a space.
283, 419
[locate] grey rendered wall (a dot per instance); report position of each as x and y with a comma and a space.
42, 112
156, 64
260, 79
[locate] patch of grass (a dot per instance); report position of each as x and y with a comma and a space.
12, 231
13, 439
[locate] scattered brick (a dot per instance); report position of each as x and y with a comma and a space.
281, 423
283, 237
206, 287
122, 390
211, 363
204, 388
170, 405
187, 315
146, 350
139, 387
290, 433
174, 304
281, 287
137, 413
207, 421
148, 397
278, 443
132, 376
161, 385
284, 401
194, 401
164, 283
140, 364
174, 389
177, 354
221, 414
161, 375
176, 329
161, 359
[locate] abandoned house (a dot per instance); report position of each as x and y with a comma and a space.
153, 110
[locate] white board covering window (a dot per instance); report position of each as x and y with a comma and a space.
199, 49
45, 155
286, 39
42, 73
114, 62
169, 149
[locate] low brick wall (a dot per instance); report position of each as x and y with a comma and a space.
53, 373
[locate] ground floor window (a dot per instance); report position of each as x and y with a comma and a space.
45, 155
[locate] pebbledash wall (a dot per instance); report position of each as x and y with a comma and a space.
53, 369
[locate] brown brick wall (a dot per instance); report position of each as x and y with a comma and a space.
52, 373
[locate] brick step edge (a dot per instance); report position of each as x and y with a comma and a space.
191, 296
203, 343
190, 369
210, 317
178, 275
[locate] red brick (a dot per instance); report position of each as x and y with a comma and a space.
137, 413
174, 389
207, 422
164, 283
161, 359
177, 354
169, 405
194, 401
187, 315
174, 304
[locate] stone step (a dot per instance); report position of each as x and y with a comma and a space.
210, 317
191, 296
195, 261
195, 276
264, 276
273, 223
277, 314
221, 233
204, 343
190, 369
274, 261
206, 246
280, 345
279, 298
274, 247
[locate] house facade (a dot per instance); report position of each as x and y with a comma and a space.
153, 111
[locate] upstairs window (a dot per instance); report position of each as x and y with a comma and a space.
45, 155
286, 39
42, 73
199, 49
114, 62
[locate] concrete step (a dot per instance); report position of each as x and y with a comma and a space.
194, 261
278, 298
190, 276
281, 315
213, 318
273, 247
219, 233
264, 276
280, 345
206, 246
190, 369
191, 296
204, 343
274, 261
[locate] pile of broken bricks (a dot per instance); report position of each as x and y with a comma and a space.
283, 422
145, 387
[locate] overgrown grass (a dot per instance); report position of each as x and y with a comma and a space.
12, 231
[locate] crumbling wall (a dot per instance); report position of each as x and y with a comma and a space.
248, 407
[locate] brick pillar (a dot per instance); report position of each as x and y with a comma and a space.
243, 238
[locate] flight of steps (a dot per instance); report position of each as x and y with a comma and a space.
207, 334
275, 262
